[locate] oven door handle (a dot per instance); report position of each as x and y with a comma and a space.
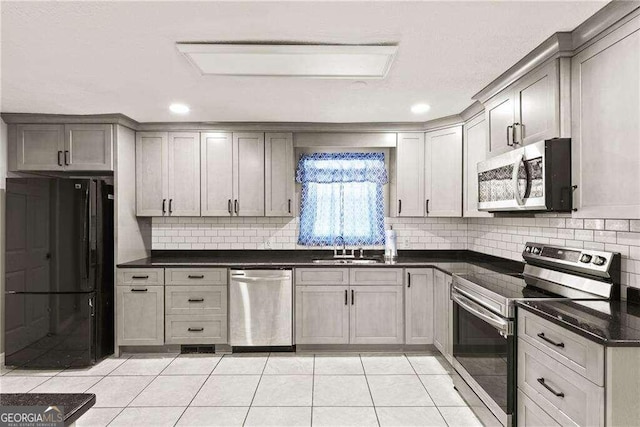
502, 325
516, 190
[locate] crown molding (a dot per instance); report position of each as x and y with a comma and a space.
33, 118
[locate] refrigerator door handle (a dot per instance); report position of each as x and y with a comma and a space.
93, 307
87, 235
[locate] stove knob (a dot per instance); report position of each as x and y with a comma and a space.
536, 251
598, 260
527, 249
585, 258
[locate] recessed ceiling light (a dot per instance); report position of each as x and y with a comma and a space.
291, 60
179, 108
420, 108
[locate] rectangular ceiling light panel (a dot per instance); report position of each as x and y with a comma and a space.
314, 61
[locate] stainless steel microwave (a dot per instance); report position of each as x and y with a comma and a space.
536, 177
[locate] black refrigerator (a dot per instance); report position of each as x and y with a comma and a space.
59, 267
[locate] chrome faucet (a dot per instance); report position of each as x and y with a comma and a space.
343, 253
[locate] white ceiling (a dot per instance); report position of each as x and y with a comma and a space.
108, 57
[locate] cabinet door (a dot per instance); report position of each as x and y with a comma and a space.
443, 172
40, 147
151, 173
216, 157
376, 315
322, 315
418, 302
88, 147
248, 163
605, 93
184, 174
499, 114
410, 174
140, 315
537, 105
474, 151
441, 327
279, 175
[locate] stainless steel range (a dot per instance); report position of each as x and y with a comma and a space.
484, 313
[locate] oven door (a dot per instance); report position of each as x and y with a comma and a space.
513, 181
484, 354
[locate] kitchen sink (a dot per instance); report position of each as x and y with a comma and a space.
357, 261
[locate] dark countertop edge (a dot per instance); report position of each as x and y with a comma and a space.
70, 417
432, 258
573, 328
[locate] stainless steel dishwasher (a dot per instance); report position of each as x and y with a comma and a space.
260, 308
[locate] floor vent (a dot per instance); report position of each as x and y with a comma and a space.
191, 349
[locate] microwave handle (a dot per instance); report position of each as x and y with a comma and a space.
514, 177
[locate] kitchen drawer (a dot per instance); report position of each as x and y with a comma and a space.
188, 329
543, 379
198, 300
578, 353
531, 415
140, 276
322, 276
196, 276
376, 276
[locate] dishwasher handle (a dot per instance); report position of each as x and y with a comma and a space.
240, 278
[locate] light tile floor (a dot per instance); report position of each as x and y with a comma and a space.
279, 389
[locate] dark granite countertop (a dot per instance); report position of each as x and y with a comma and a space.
447, 261
75, 404
610, 323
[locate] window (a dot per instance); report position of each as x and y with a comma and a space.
342, 195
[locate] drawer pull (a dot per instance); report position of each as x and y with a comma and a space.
196, 299
195, 329
556, 393
139, 290
139, 277
196, 276
550, 341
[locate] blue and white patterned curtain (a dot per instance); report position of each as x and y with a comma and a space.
342, 195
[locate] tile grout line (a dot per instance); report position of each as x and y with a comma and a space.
427, 391
198, 391
369, 388
256, 390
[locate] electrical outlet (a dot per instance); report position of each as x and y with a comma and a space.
406, 242
267, 243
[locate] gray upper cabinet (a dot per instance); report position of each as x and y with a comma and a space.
77, 147
279, 175
248, 177
152, 163
410, 174
500, 117
527, 111
443, 172
40, 147
537, 105
216, 173
418, 302
88, 147
475, 151
184, 174
605, 79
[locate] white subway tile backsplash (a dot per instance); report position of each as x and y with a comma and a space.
499, 236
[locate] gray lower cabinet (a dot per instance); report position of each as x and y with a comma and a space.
349, 306
322, 314
195, 329
418, 303
566, 379
376, 315
443, 314
140, 314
